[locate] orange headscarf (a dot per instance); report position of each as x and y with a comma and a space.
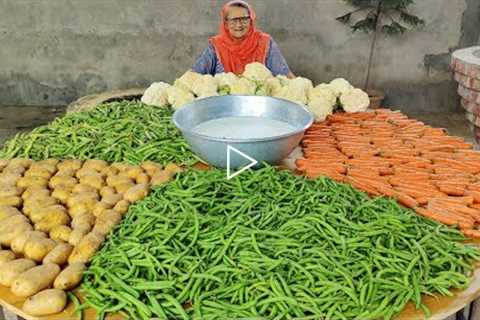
235, 54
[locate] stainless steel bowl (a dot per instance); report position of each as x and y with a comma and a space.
269, 149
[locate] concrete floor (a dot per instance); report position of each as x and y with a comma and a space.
17, 119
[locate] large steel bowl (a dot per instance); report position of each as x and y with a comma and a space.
272, 149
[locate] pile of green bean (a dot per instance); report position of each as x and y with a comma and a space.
119, 131
273, 245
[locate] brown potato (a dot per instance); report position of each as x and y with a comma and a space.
36, 249
89, 199
49, 162
134, 171
85, 172
107, 221
114, 181
93, 180
142, 178
21, 162
26, 182
82, 220
136, 193
32, 192
5, 256
8, 222
65, 172
62, 193
3, 163
62, 180
35, 279
59, 254
86, 248
60, 233
105, 191
73, 165
45, 303
10, 191
9, 178
11, 269
100, 208
112, 200
124, 187
38, 172
161, 177
8, 211
120, 166
78, 234
78, 209
109, 171
122, 206
14, 169
18, 244
173, 168
70, 277
7, 237
55, 218
151, 167
37, 215
95, 164
83, 188
11, 201
33, 204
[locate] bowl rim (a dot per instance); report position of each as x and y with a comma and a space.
240, 140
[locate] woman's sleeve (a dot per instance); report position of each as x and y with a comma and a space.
276, 63
207, 61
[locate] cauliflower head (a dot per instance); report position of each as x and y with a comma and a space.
292, 94
205, 86
273, 86
243, 86
322, 90
283, 79
321, 107
225, 81
156, 94
188, 80
340, 86
295, 89
355, 100
256, 71
177, 97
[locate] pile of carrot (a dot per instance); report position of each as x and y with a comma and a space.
384, 153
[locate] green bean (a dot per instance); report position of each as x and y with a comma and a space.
273, 245
120, 131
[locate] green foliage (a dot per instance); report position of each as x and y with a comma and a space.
389, 16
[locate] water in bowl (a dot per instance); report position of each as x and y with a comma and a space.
243, 128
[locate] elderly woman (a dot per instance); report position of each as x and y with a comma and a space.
239, 43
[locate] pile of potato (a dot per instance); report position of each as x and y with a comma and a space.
54, 216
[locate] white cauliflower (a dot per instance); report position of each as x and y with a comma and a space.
256, 71
177, 96
187, 80
322, 90
295, 90
156, 94
273, 86
205, 86
283, 79
339, 86
321, 107
243, 86
354, 100
225, 81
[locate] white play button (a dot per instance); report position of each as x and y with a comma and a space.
251, 164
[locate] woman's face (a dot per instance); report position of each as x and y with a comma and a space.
238, 21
